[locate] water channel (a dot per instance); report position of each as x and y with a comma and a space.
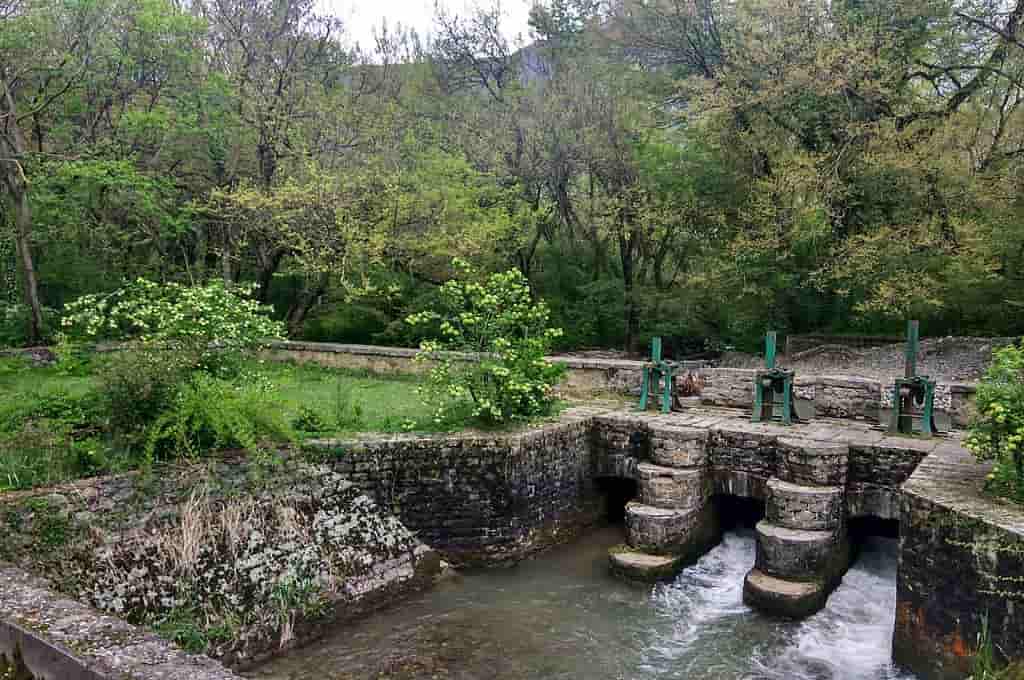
562, 616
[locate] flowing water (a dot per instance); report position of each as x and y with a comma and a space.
563, 616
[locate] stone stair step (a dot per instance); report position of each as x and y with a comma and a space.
801, 555
782, 597
641, 566
797, 506
673, 488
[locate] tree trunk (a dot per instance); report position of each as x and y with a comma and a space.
12, 150
626, 252
300, 309
22, 243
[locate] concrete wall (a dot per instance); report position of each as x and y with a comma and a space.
961, 560
832, 396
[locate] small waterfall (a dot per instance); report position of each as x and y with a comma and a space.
852, 637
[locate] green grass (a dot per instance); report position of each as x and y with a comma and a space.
54, 427
347, 401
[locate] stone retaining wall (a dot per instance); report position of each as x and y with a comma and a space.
250, 557
480, 499
818, 396
961, 560
743, 456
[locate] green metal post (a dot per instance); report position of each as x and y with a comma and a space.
769, 350
666, 397
656, 349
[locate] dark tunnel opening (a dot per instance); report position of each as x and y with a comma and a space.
735, 512
617, 492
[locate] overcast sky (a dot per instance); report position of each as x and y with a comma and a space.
361, 16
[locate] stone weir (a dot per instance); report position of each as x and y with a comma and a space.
811, 478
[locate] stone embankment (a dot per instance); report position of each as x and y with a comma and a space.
276, 550
961, 569
237, 558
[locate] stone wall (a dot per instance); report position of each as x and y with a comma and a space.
961, 560
480, 499
743, 456
45, 635
250, 557
818, 396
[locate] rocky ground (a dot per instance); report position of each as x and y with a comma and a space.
949, 359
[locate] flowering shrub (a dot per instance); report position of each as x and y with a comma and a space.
159, 391
205, 321
997, 432
498, 321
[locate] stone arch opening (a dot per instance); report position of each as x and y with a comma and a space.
738, 512
616, 492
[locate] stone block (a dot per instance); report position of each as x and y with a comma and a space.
812, 508
798, 555
665, 487
640, 566
812, 463
671, 532
779, 597
679, 447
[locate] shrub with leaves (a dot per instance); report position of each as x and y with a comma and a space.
208, 321
997, 431
211, 414
496, 319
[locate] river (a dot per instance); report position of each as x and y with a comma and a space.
563, 616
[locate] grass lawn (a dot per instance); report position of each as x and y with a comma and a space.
54, 427
347, 401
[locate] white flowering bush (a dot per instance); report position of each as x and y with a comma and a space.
158, 393
497, 320
997, 431
207, 321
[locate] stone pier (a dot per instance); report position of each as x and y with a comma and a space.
802, 547
673, 523
812, 478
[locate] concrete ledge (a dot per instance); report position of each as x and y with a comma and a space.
55, 638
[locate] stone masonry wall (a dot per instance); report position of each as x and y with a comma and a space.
961, 560
481, 499
743, 456
821, 396
251, 557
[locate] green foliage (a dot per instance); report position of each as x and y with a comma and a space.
497, 320
137, 386
14, 323
207, 321
997, 431
209, 414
